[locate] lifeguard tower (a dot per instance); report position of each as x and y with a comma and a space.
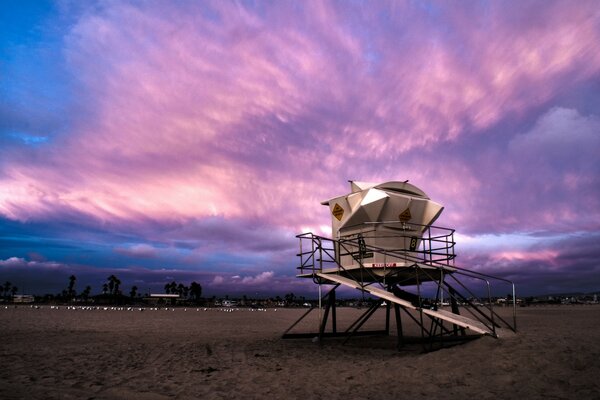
383, 242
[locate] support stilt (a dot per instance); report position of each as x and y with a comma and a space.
400, 342
455, 310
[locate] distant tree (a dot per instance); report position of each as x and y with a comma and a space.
111, 284
117, 284
183, 291
6, 287
14, 291
289, 298
173, 286
86, 293
105, 288
133, 292
196, 291
71, 290
167, 288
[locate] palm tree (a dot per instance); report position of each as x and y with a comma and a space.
167, 288
117, 284
111, 284
105, 288
14, 291
72, 280
133, 292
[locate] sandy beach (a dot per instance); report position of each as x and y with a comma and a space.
187, 354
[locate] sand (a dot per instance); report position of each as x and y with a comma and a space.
109, 354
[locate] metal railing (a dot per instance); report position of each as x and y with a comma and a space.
434, 253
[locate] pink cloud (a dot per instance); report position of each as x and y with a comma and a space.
262, 115
546, 256
259, 279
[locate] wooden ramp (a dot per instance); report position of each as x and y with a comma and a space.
455, 319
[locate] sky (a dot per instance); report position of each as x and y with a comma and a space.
192, 140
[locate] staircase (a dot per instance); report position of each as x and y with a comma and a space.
455, 319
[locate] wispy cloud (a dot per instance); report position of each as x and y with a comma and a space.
141, 250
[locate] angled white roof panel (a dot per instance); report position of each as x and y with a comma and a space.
355, 200
373, 195
374, 207
358, 217
357, 186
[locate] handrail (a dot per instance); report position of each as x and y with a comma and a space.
427, 255
482, 276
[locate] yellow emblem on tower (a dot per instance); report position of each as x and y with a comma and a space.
405, 215
338, 211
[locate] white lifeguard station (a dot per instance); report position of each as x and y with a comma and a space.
383, 240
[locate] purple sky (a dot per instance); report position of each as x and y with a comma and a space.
193, 140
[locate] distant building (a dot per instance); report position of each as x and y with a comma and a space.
23, 298
155, 298
230, 303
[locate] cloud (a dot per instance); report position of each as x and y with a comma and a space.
183, 119
141, 250
259, 279
16, 262
234, 234
542, 177
557, 167
546, 264
218, 280
561, 138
